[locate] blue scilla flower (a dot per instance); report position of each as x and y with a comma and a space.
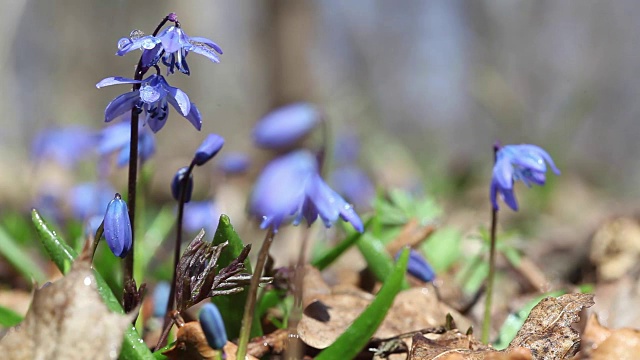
200, 215
354, 183
153, 97
418, 266
117, 138
172, 45
211, 145
285, 126
234, 163
291, 188
525, 162
177, 187
213, 326
117, 227
66, 146
160, 298
89, 199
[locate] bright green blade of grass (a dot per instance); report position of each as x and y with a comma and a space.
9, 318
351, 342
19, 259
330, 256
133, 347
378, 259
232, 306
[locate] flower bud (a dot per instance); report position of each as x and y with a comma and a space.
117, 227
285, 126
418, 267
208, 149
234, 163
213, 326
177, 186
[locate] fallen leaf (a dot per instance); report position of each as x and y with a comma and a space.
600, 343
547, 332
191, 344
413, 309
454, 345
615, 248
273, 343
67, 320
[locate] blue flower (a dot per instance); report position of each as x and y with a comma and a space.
200, 215
234, 163
354, 184
66, 146
291, 188
176, 184
117, 138
285, 126
527, 163
88, 199
172, 45
208, 149
153, 97
160, 298
418, 266
213, 326
117, 227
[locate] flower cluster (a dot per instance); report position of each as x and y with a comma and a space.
525, 162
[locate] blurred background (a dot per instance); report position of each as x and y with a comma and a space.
435, 83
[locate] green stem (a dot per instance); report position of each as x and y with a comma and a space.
249, 307
486, 323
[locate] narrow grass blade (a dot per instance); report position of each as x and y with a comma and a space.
330, 256
9, 318
351, 342
19, 259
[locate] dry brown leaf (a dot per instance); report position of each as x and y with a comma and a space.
547, 332
273, 343
191, 344
455, 345
615, 248
67, 320
600, 343
413, 309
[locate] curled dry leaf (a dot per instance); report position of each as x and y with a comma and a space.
67, 320
600, 343
454, 345
547, 332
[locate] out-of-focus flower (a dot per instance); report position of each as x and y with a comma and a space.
213, 326
172, 45
234, 163
285, 126
89, 199
117, 227
208, 149
200, 215
92, 225
418, 266
290, 187
66, 146
525, 162
153, 97
118, 138
355, 185
177, 187
161, 298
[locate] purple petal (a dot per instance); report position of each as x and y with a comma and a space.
116, 80
545, 155
285, 126
194, 117
126, 45
180, 100
121, 105
509, 198
208, 149
196, 39
205, 51
503, 172
155, 123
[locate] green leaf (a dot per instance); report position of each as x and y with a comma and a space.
9, 318
358, 334
376, 256
330, 256
133, 347
232, 306
442, 249
147, 245
19, 259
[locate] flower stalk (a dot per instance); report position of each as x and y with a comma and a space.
247, 317
486, 322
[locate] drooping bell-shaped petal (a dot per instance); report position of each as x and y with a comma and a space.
117, 138
418, 266
117, 227
181, 183
213, 326
153, 98
285, 126
526, 163
234, 163
290, 188
208, 149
